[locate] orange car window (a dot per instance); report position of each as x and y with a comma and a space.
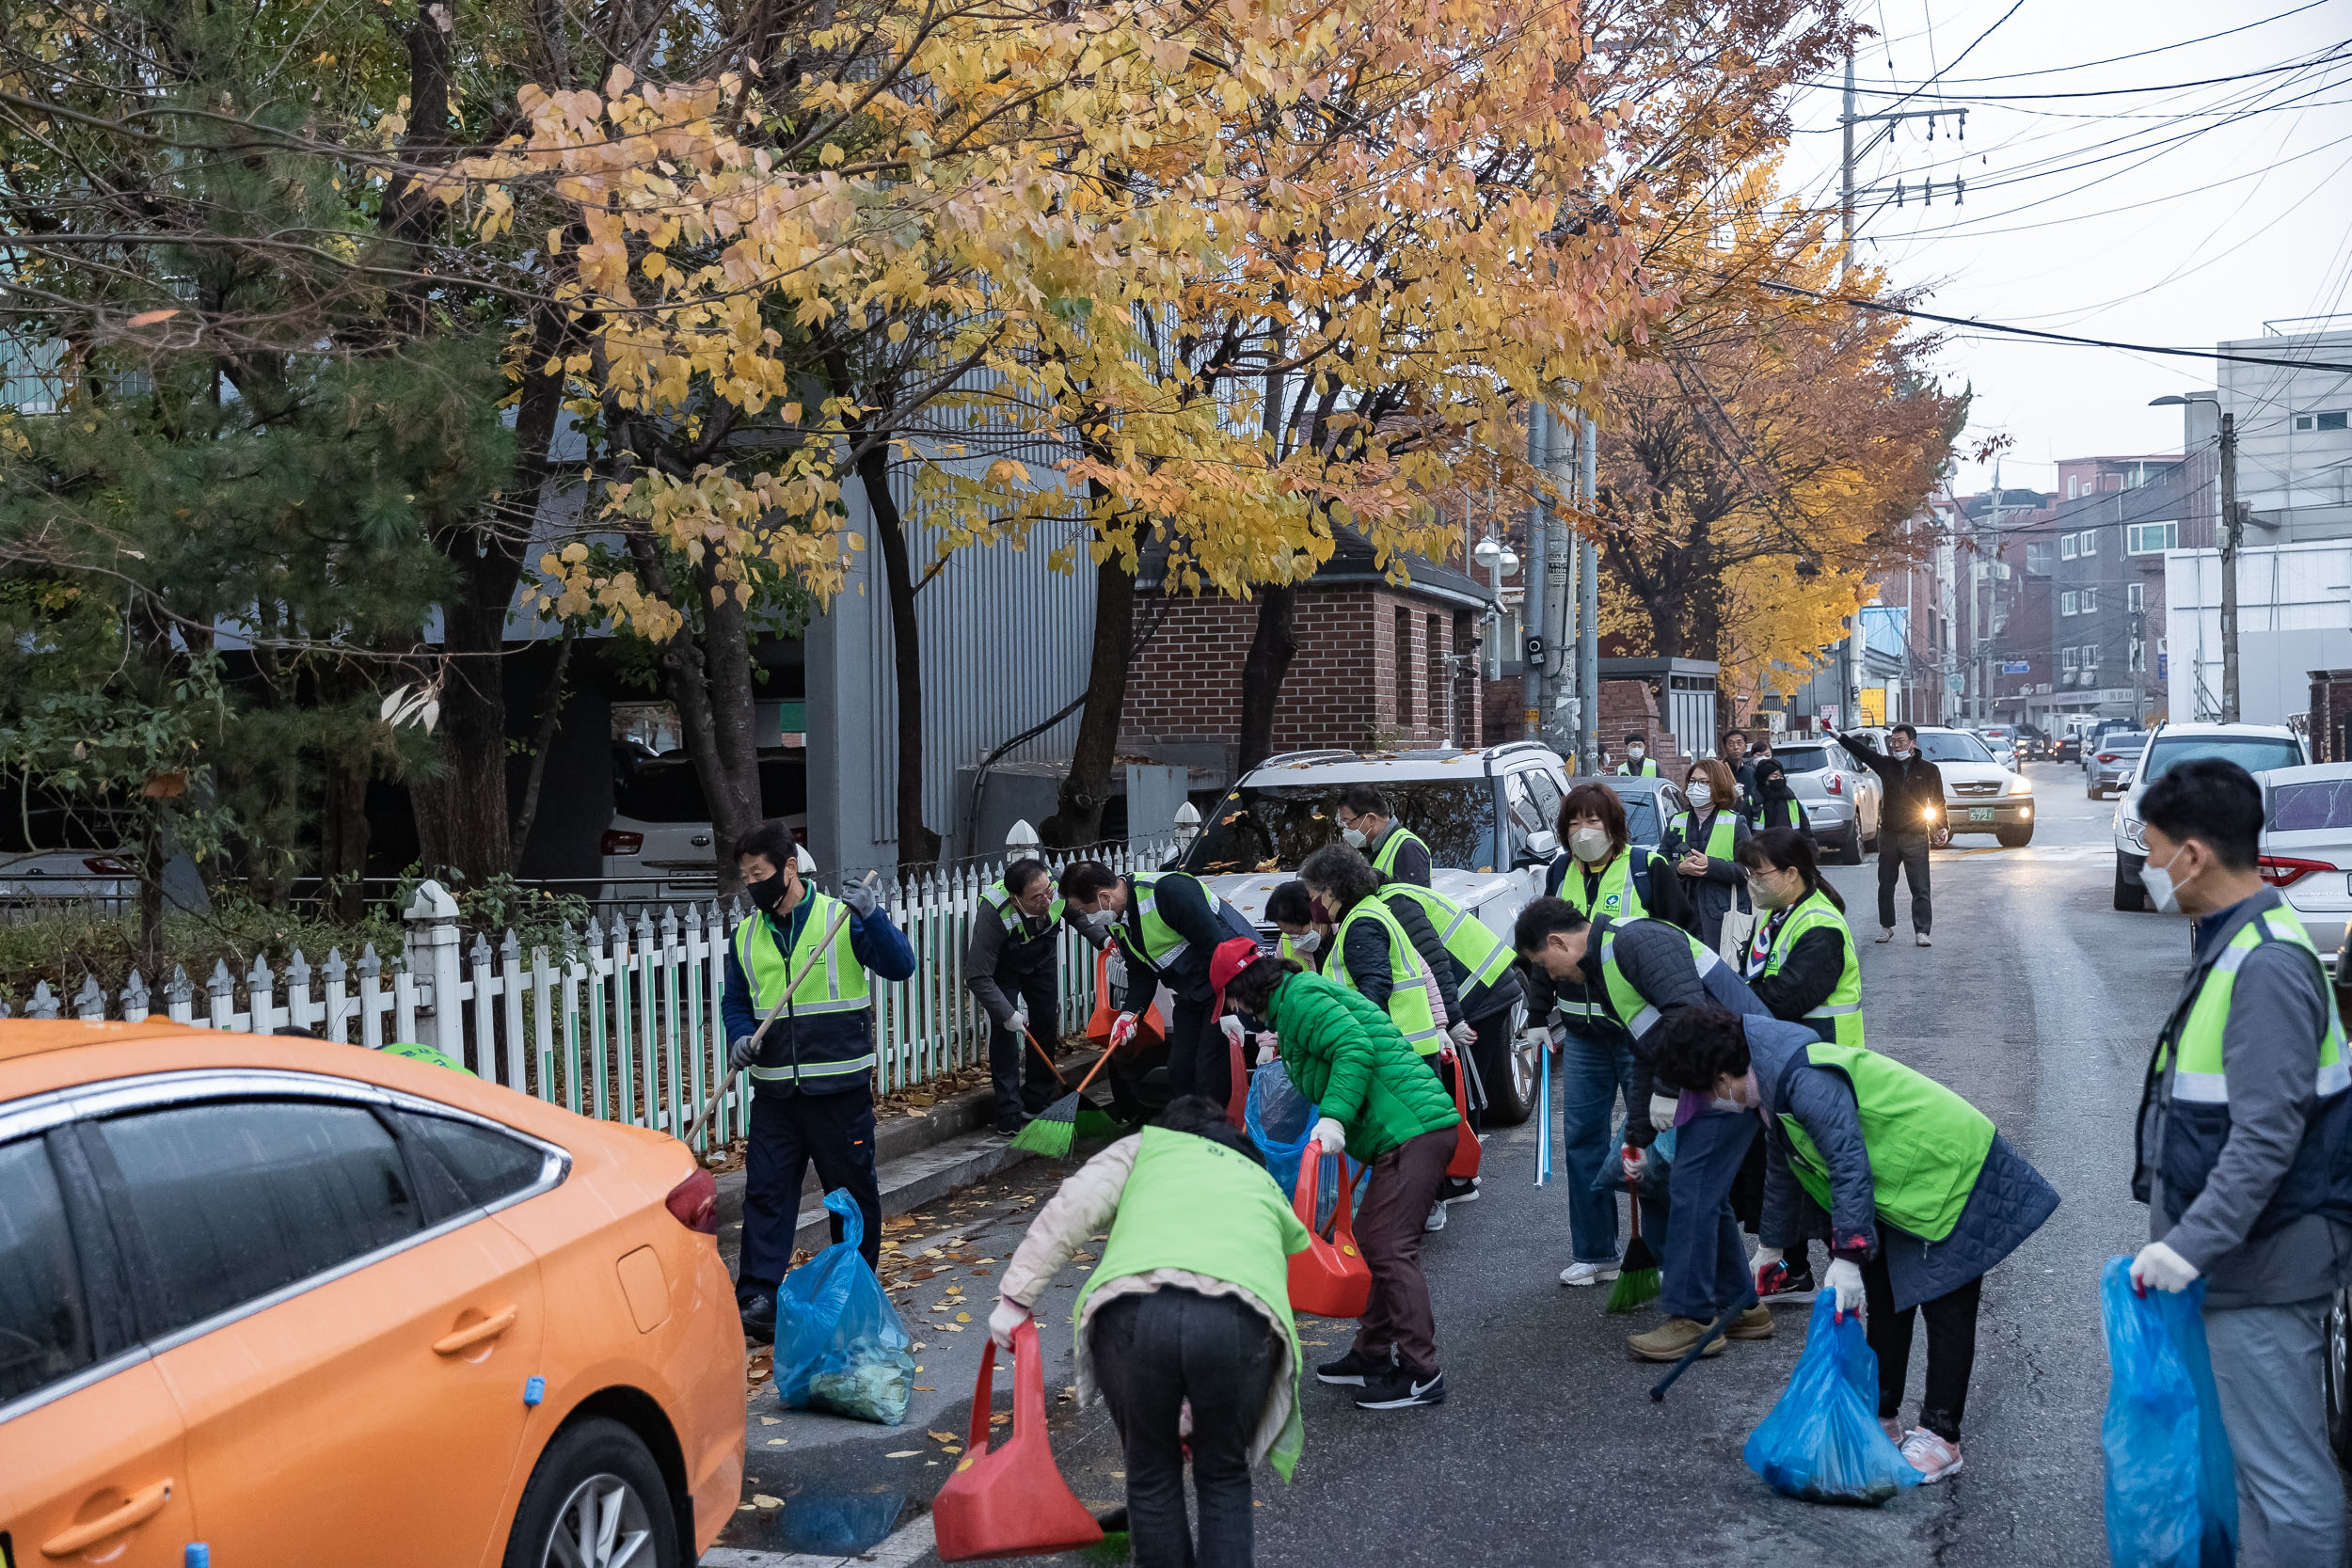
44, 1328
486, 1166
235, 1200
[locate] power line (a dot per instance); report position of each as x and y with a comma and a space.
2118, 59
2341, 51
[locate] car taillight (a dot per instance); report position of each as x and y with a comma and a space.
618, 843
696, 1203
2106, 756
1837, 784
2282, 871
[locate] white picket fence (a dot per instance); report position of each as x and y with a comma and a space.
621, 1022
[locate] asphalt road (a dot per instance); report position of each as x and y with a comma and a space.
2038, 1001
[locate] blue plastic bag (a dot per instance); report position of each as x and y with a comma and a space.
839, 1344
1822, 1442
1280, 1120
2171, 1489
1660, 1164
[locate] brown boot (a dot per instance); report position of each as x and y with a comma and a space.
1672, 1339
1754, 1323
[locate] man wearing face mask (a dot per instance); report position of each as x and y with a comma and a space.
1305, 940
1911, 822
813, 1074
1167, 926
2242, 1157
1638, 763
1369, 828
1743, 771
1012, 967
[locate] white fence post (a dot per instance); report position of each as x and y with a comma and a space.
431, 946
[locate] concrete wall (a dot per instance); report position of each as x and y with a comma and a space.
2295, 615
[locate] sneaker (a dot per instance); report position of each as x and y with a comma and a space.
1929, 1454
1588, 1273
1886, 933
1919, 938
1437, 1216
1398, 1389
1754, 1323
1009, 1126
1354, 1367
1795, 1287
1671, 1339
1457, 1191
759, 1317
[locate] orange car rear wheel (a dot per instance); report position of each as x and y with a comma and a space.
596, 1499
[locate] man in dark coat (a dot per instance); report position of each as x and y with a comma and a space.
1911, 822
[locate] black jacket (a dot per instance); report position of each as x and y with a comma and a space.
1184, 903
1816, 962
1913, 787
1365, 956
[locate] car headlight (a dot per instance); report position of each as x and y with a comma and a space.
2135, 833
2020, 785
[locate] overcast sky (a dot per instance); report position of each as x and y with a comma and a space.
2180, 217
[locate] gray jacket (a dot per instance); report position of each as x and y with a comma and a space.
2277, 1010
2008, 1204
1656, 961
996, 962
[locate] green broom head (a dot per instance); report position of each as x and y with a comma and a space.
1637, 1275
1094, 1122
1051, 1131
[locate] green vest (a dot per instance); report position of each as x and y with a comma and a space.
837, 983
1648, 770
1926, 1144
1719, 837
1780, 813
1843, 1007
999, 898
1161, 944
1200, 1206
2199, 1078
1628, 1006
1408, 999
1483, 957
1384, 860
1617, 895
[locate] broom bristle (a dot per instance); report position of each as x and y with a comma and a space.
1635, 1288
1051, 1131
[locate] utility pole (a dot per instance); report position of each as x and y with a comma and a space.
1846, 121
1847, 191
2233, 534
1531, 645
1588, 607
1983, 569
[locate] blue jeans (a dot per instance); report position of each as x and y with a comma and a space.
1589, 1075
1706, 1262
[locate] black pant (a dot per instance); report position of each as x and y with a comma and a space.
788, 1131
1008, 1049
1197, 1053
1151, 1353
1951, 1347
1906, 853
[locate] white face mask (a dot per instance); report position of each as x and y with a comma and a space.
1353, 837
1589, 845
1702, 796
1636, 753
2162, 890
1307, 942
1767, 896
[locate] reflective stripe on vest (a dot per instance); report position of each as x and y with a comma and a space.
1648, 770
2200, 1079
1720, 834
836, 985
1791, 813
1618, 895
1385, 860
1815, 912
1468, 941
999, 898
1408, 997
1629, 1005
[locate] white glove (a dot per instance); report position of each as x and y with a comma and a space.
1846, 1279
1463, 1036
1009, 1316
1115, 970
1635, 1161
2160, 1267
1766, 1257
1232, 1028
1021, 1017
1331, 1136
1662, 1110
741, 1053
1123, 1030
1538, 1037
860, 896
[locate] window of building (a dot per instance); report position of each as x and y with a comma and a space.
2067, 550
2151, 538
2069, 603
2091, 601
2074, 486
1441, 709
2069, 658
2089, 537
2134, 596
2091, 656
1403, 670
2038, 554
2331, 419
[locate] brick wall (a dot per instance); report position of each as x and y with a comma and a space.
1341, 689
2331, 715
1628, 708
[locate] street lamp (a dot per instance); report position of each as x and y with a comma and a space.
1497, 557
2233, 534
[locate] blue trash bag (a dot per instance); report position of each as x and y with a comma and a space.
839, 1345
2171, 1489
1279, 1120
1822, 1442
1611, 1177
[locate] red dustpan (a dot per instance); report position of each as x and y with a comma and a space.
1467, 1150
1237, 1093
1012, 1502
1329, 1279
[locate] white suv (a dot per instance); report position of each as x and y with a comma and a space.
2255, 748
1489, 817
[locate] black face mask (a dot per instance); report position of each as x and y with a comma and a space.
767, 892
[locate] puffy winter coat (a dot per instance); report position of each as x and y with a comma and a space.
1343, 1054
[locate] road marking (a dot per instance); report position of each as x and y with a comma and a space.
897, 1551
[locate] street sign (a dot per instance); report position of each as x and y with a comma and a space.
2016, 667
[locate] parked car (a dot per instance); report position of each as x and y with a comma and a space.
1981, 795
2067, 746
1840, 797
2113, 761
2307, 846
659, 845
1489, 816
2098, 733
2257, 747
311, 1303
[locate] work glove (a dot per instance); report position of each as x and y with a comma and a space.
741, 1051
1018, 1023
860, 896
1661, 1111
1269, 1045
1115, 970
1463, 1036
1635, 1161
1768, 1269
1009, 1316
2162, 1268
1123, 1030
1541, 1038
1846, 1279
1331, 1136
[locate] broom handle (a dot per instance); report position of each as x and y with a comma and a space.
1049, 1061
719, 1091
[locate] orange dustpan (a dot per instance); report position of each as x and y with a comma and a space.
1012, 1502
1329, 1279
1467, 1152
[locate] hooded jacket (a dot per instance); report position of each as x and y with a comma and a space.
1342, 1053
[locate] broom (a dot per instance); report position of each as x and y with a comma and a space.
1637, 1274
1051, 1131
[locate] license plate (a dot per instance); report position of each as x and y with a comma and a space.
1979, 814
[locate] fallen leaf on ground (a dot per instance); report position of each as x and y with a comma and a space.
771, 1421
943, 1436
778, 1442
905, 1453
761, 1500
922, 1389
963, 1317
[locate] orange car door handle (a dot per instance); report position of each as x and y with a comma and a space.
137, 1508
473, 1334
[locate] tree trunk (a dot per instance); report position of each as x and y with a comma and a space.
1077, 817
343, 836
735, 802
550, 720
917, 844
1272, 647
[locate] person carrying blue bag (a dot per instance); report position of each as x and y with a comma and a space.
2244, 1155
1923, 1197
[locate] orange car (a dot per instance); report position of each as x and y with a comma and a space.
314, 1304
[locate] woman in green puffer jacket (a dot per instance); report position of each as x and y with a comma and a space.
1383, 1104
